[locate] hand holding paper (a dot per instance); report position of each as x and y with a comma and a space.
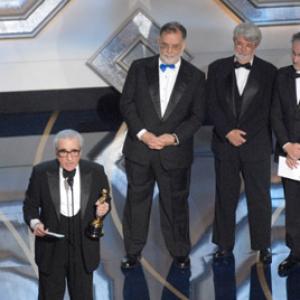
285, 171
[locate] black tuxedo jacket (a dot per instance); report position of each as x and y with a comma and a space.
140, 106
255, 110
42, 201
285, 113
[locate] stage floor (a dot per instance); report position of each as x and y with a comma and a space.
156, 278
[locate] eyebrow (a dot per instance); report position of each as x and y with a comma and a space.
63, 149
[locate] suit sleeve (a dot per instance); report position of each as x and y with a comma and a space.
187, 129
104, 184
31, 203
261, 117
127, 102
277, 116
216, 114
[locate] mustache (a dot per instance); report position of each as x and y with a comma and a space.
242, 56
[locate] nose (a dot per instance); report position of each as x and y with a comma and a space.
69, 156
296, 58
169, 49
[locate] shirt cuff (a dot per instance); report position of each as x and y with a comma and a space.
176, 139
34, 222
284, 146
140, 133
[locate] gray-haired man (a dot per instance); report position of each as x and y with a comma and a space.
239, 99
62, 198
285, 122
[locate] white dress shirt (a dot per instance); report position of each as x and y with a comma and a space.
241, 75
298, 88
69, 207
167, 81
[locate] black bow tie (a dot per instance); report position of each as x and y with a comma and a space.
68, 174
297, 75
239, 65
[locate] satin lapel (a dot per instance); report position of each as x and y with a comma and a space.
252, 87
85, 186
291, 90
153, 82
229, 91
53, 183
181, 83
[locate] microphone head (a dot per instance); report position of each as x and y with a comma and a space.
69, 175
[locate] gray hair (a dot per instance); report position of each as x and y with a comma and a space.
173, 27
68, 134
296, 37
249, 31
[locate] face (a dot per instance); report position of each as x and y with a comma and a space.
244, 50
296, 55
68, 153
171, 47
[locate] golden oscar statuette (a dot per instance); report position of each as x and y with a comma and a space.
95, 228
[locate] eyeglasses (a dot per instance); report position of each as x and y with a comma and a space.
64, 152
176, 47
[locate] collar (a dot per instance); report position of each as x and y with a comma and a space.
177, 65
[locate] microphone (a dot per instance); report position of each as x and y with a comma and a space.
69, 176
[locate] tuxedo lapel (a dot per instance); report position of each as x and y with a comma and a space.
252, 87
291, 90
153, 84
53, 183
226, 84
181, 83
229, 91
85, 186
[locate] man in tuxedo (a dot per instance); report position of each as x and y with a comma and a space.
62, 198
239, 100
285, 122
163, 106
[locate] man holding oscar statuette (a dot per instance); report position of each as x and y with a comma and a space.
60, 204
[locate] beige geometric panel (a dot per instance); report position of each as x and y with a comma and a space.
25, 18
19, 9
266, 12
275, 3
137, 38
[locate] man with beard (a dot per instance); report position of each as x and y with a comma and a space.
239, 100
163, 106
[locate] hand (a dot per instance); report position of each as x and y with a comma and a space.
292, 150
101, 208
291, 163
236, 137
39, 230
152, 141
167, 139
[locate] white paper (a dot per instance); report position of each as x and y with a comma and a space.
285, 171
57, 235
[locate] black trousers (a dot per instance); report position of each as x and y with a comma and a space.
67, 266
173, 188
292, 213
256, 177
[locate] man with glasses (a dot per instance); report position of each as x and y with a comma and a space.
286, 125
60, 202
163, 106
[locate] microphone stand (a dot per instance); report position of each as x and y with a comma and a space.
69, 180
